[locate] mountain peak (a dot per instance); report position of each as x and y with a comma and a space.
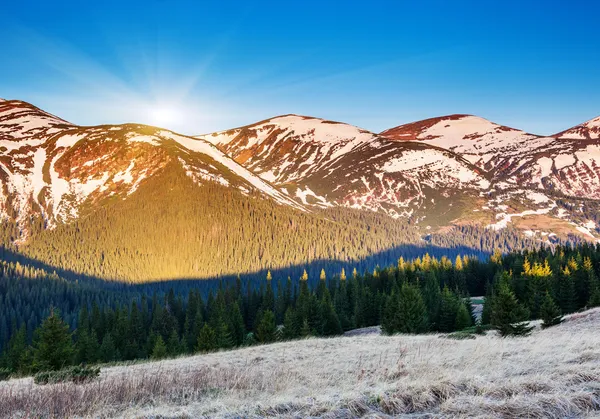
589, 130
455, 127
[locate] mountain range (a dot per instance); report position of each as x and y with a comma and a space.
134, 202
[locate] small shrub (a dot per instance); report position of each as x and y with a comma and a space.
5, 374
77, 375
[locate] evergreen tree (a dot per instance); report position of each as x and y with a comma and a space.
53, 346
160, 349
463, 318
449, 307
108, 350
290, 326
550, 312
16, 351
331, 323
412, 313
266, 330
432, 298
207, 339
507, 315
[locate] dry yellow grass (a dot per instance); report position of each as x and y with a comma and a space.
553, 373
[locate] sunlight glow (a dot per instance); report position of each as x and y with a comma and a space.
165, 115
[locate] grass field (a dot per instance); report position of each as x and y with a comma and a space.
553, 373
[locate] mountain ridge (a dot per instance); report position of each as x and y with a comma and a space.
59, 180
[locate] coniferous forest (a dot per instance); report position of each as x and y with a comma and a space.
214, 231
47, 322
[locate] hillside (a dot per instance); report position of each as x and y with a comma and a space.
552, 373
440, 174
149, 204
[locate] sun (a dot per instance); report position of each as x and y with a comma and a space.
164, 115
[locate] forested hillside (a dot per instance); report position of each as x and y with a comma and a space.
422, 295
172, 228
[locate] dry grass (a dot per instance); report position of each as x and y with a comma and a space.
553, 373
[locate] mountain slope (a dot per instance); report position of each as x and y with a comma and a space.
138, 203
484, 143
453, 170
325, 163
589, 130
53, 168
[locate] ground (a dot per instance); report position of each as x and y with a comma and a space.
552, 373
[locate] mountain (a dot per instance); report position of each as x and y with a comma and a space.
441, 172
137, 203
589, 130
325, 164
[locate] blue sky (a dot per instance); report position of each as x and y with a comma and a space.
201, 66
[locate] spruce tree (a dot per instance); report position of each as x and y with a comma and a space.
463, 318
290, 326
266, 330
108, 350
550, 312
160, 349
412, 313
508, 316
448, 311
53, 346
432, 299
207, 339
17, 347
331, 323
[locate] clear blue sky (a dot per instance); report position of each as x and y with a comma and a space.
200, 66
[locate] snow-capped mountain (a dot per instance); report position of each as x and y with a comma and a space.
482, 142
326, 163
516, 158
589, 130
437, 171
52, 167
440, 172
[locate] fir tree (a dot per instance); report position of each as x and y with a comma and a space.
463, 318
160, 349
207, 340
507, 315
266, 330
53, 347
412, 313
550, 312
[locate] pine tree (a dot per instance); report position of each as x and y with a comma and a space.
266, 330
53, 347
508, 316
17, 347
550, 312
207, 339
448, 311
463, 318
160, 349
412, 313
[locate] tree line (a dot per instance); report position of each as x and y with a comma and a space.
422, 295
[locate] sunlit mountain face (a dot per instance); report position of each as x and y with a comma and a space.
457, 180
